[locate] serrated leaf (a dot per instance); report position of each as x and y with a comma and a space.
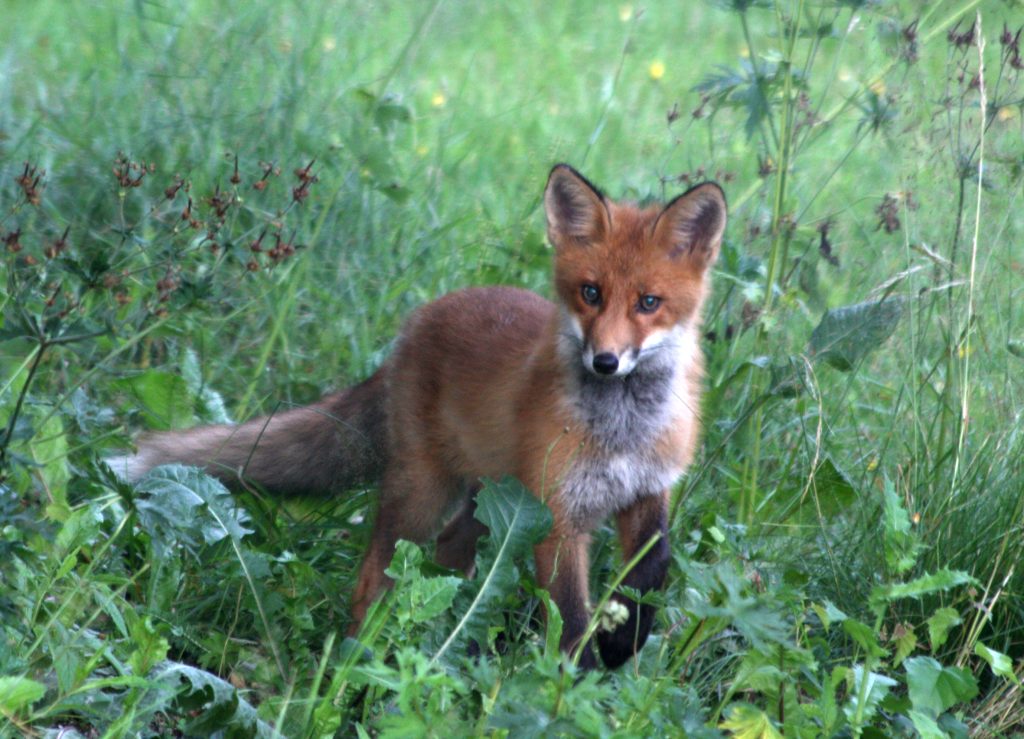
728, 595
17, 693
418, 598
865, 637
150, 647
1000, 663
516, 520
747, 722
901, 542
180, 505
846, 335
939, 625
944, 579
163, 396
934, 688
906, 641
211, 703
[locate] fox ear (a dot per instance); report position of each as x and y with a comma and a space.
576, 210
692, 224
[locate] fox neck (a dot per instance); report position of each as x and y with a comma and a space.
620, 414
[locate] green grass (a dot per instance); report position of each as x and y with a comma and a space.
840, 508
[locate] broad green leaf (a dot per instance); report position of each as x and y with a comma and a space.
747, 722
926, 726
939, 625
944, 579
1000, 663
17, 693
163, 396
846, 335
516, 520
902, 544
870, 686
934, 688
835, 493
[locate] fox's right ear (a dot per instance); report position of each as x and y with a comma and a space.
576, 210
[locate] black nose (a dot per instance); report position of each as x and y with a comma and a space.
606, 363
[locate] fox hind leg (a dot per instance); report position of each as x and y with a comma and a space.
413, 501
456, 544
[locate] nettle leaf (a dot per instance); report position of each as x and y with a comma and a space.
846, 335
939, 625
164, 398
747, 722
418, 598
865, 637
149, 646
182, 506
1000, 663
722, 593
906, 642
517, 520
17, 693
934, 688
901, 542
944, 579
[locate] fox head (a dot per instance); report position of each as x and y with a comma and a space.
629, 278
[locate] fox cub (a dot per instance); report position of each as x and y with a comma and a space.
590, 400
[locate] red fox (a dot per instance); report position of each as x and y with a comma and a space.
591, 401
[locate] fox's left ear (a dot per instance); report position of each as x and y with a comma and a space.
691, 226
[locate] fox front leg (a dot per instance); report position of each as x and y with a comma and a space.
562, 568
638, 524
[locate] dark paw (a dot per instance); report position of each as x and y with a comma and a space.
618, 645
587, 660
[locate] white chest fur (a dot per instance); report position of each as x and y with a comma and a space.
623, 420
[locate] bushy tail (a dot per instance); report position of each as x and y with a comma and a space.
335, 444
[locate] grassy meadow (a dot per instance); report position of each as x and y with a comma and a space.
213, 211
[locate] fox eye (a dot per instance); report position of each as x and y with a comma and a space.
591, 294
648, 303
